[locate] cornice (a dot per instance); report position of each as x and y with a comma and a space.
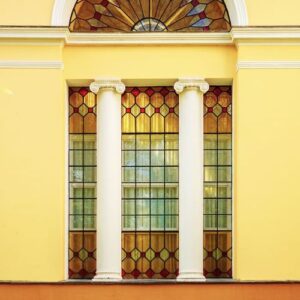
238, 36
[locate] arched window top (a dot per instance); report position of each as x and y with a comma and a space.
149, 15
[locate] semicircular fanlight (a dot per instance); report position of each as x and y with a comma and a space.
149, 15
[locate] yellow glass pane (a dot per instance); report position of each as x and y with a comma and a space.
90, 99
157, 100
157, 123
172, 123
128, 123
224, 123
143, 123
142, 100
210, 123
128, 100
90, 123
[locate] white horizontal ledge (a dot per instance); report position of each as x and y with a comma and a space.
31, 64
268, 65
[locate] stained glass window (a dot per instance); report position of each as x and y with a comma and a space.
149, 15
150, 183
218, 182
82, 183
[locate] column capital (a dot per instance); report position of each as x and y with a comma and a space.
107, 83
184, 83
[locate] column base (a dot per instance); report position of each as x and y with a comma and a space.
107, 276
191, 276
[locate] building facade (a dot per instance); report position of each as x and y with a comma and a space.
152, 145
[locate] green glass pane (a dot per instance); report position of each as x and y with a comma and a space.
171, 191
76, 141
224, 206
76, 158
143, 222
89, 192
157, 174
142, 207
142, 174
143, 192
89, 206
210, 222
171, 174
129, 222
171, 158
171, 206
142, 158
157, 192
89, 174
89, 222
157, 141
210, 174
224, 190
89, 141
128, 174
210, 206
224, 174
157, 158
224, 157
75, 192
142, 141
157, 207
128, 207
76, 174
128, 192
224, 222
171, 222
210, 190
171, 141
76, 222
128, 158
224, 141
76, 206
128, 141
210, 157
89, 157
157, 223
210, 141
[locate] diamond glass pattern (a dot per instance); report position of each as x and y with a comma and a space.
149, 15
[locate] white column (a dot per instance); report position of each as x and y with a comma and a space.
108, 177
191, 177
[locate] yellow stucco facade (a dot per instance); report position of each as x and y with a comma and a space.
33, 129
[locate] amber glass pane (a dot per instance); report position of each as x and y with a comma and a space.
82, 183
149, 15
217, 185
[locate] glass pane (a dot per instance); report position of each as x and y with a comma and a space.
171, 223
142, 207
128, 174
76, 158
89, 223
171, 206
171, 141
211, 141
76, 206
128, 207
128, 158
89, 157
89, 174
224, 206
89, 141
76, 141
171, 158
224, 222
157, 158
142, 174
210, 174
142, 158
89, 206
128, 141
224, 190
142, 192
157, 222
210, 157
142, 141
171, 192
224, 141
210, 222
157, 207
224, 157
76, 174
210, 206
128, 192
171, 174
143, 222
129, 222
76, 222
157, 174
157, 192
157, 141
210, 190
224, 173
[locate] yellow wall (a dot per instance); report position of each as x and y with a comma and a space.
266, 12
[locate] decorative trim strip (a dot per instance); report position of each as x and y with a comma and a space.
268, 65
30, 64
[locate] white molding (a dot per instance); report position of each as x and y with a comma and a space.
62, 10
276, 64
51, 33
31, 64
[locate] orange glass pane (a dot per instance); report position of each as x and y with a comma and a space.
90, 123
142, 100
224, 123
157, 100
76, 100
128, 100
210, 123
171, 123
224, 99
210, 99
171, 99
76, 123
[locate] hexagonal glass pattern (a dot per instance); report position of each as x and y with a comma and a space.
149, 15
